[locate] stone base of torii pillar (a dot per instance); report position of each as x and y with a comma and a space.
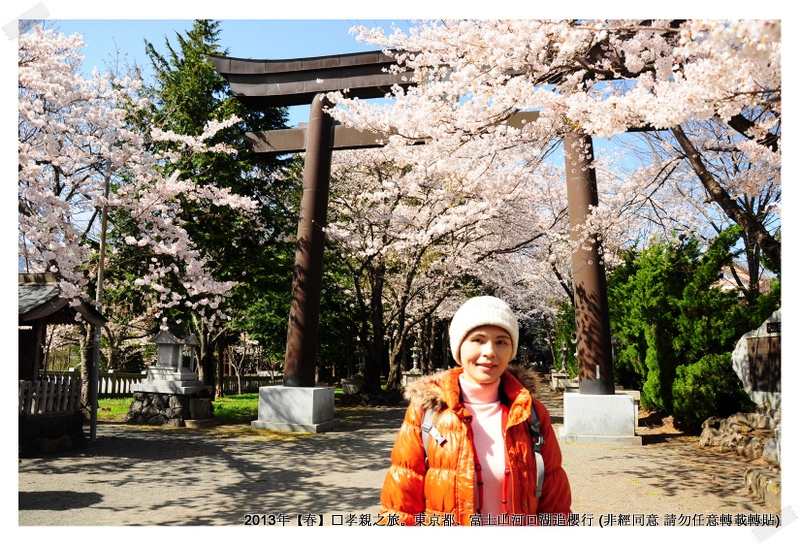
285, 408
600, 419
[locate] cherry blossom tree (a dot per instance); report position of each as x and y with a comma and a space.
599, 78
751, 183
710, 90
414, 240
78, 154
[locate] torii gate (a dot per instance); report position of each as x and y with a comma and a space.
271, 83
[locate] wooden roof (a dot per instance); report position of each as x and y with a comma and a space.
40, 300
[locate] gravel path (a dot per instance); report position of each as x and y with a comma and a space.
226, 475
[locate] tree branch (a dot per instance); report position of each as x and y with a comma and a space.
769, 245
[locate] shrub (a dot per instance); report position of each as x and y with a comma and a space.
707, 388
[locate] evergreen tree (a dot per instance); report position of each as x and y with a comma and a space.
188, 93
676, 328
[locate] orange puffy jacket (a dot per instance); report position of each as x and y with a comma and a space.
444, 492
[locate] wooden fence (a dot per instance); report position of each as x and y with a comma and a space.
109, 383
250, 383
51, 395
117, 384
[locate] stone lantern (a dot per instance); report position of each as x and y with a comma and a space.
170, 360
414, 373
171, 393
415, 350
170, 353
362, 354
560, 378
352, 385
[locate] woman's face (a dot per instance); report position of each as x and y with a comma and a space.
485, 353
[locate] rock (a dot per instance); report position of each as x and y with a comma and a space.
765, 484
713, 422
157, 409
756, 361
746, 434
740, 357
772, 448
201, 409
751, 447
708, 437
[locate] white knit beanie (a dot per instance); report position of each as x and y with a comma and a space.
478, 311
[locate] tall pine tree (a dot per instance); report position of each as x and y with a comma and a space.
187, 93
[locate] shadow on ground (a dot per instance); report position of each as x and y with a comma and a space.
57, 501
137, 475
215, 475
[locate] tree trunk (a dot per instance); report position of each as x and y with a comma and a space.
112, 354
551, 339
376, 348
86, 343
427, 346
395, 378
751, 225
398, 358
236, 368
220, 390
205, 368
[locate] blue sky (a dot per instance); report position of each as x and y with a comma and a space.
256, 39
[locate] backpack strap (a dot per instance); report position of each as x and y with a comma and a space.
537, 441
429, 430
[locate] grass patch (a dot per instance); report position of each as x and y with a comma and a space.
241, 408
113, 409
237, 408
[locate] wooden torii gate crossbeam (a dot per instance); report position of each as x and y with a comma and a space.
271, 83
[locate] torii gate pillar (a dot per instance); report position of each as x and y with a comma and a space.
596, 368
301, 405
597, 414
301, 339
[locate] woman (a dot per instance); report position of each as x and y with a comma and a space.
479, 465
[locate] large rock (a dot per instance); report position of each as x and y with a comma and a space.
767, 401
160, 409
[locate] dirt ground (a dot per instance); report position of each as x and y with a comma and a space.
220, 476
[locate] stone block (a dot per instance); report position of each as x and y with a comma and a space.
201, 408
772, 449
600, 419
286, 408
352, 386
410, 376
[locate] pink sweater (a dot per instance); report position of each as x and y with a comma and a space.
489, 420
